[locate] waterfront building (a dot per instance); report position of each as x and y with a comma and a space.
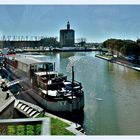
67, 37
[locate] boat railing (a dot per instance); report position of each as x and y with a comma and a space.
77, 82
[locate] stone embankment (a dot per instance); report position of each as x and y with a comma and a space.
121, 62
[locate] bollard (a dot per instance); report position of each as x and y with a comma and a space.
7, 96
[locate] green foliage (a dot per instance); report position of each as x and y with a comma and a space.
11, 130
59, 128
29, 130
20, 130
40, 115
24, 129
38, 129
125, 47
49, 41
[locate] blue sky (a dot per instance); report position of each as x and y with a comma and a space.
96, 23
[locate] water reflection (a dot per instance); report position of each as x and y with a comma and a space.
118, 86
57, 62
112, 93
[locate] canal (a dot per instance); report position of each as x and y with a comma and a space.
112, 92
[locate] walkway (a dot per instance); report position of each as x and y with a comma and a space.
3, 101
121, 62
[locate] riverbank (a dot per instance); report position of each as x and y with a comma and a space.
64, 49
120, 61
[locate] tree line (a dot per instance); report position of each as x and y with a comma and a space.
123, 47
45, 42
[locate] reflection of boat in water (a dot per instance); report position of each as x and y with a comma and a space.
50, 88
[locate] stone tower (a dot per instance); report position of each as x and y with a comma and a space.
67, 37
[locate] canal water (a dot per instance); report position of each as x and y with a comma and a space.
112, 92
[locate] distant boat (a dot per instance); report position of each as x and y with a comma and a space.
99, 99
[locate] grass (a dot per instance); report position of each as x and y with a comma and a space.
58, 127
106, 56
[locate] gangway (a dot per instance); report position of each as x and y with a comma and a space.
14, 82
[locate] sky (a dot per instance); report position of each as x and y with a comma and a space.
96, 23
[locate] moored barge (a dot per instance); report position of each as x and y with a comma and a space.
50, 88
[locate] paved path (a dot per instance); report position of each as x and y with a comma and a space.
3, 101
122, 62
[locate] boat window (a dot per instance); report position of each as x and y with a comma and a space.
49, 67
45, 67
33, 68
40, 67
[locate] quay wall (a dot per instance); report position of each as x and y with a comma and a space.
119, 63
7, 111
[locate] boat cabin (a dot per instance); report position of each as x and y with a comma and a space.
28, 65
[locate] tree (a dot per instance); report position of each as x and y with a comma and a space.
81, 42
49, 42
125, 47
